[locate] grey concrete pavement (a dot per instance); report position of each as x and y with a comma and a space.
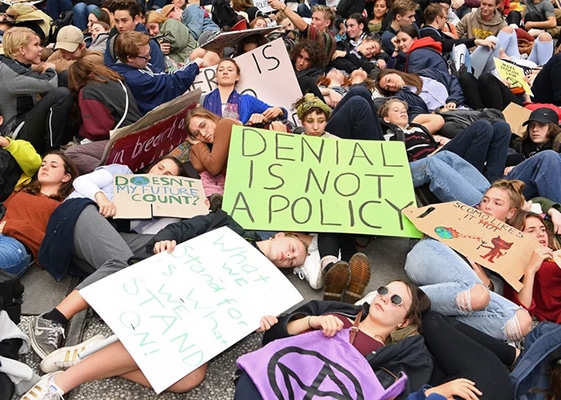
387, 257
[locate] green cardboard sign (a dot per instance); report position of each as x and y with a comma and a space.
287, 182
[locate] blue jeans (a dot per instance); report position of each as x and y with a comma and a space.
14, 257
483, 145
81, 13
194, 18
443, 274
449, 177
56, 7
542, 175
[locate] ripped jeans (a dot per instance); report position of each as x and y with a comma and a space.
443, 275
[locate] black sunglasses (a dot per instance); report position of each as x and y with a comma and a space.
395, 299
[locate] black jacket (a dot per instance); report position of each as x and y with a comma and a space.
409, 355
186, 229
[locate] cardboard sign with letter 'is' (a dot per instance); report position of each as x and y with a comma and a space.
477, 236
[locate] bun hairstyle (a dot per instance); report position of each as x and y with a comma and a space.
514, 189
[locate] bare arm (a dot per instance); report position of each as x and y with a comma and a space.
297, 20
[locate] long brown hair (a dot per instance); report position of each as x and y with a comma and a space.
409, 79
202, 113
89, 69
420, 303
519, 222
65, 187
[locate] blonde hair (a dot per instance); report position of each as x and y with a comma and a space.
15, 38
127, 44
514, 190
156, 17
385, 109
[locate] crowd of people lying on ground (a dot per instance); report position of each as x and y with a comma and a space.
421, 73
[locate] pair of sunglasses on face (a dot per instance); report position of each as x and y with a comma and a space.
395, 299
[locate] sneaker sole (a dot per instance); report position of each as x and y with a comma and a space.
33, 341
360, 277
336, 280
68, 356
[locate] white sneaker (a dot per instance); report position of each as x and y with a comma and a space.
66, 357
45, 389
311, 269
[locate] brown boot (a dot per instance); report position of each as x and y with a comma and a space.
336, 280
360, 276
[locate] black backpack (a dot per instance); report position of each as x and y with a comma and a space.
64, 19
11, 295
224, 15
10, 172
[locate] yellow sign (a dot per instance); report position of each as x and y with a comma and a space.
513, 75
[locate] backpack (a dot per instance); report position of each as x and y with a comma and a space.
530, 371
10, 172
64, 19
224, 15
289, 38
11, 295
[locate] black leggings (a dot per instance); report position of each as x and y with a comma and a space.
329, 244
461, 351
46, 124
486, 92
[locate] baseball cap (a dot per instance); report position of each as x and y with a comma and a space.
543, 115
69, 38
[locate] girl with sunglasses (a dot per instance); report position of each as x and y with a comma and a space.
386, 332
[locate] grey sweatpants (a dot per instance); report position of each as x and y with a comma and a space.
99, 249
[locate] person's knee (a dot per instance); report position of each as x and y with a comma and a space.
544, 37
547, 156
508, 29
473, 299
482, 127
191, 381
518, 326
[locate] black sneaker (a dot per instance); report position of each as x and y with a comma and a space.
45, 335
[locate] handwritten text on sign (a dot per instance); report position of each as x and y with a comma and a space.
259, 68
151, 137
283, 181
147, 196
478, 236
182, 309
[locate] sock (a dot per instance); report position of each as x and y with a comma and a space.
327, 267
57, 316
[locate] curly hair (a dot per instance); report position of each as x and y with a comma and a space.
315, 52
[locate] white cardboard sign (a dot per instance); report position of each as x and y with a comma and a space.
182, 309
139, 196
266, 73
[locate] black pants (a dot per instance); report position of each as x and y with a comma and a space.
486, 92
329, 244
461, 351
355, 117
45, 124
